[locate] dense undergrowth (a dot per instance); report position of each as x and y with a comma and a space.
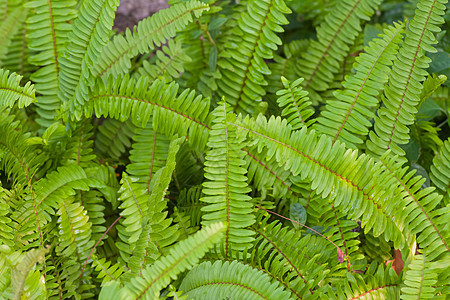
265, 149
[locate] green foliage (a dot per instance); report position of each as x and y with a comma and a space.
255, 149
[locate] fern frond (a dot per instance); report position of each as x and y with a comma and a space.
169, 63
11, 91
219, 280
402, 95
226, 189
50, 22
6, 236
335, 34
348, 117
185, 114
295, 103
90, 32
188, 202
440, 170
332, 170
182, 256
243, 67
148, 34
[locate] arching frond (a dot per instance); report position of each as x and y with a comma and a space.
332, 170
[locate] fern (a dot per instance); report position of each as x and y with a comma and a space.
226, 190
170, 160
420, 279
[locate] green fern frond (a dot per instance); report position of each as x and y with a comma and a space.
440, 170
335, 34
402, 95
243, 67
50, 22
148, 34
11, 91
331, 169
219, 281
169, 63
295, 103
75, 245
339, 230
188, 202
226, 189
140, 207
348, 117
90, 32
185, 114
184, 255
